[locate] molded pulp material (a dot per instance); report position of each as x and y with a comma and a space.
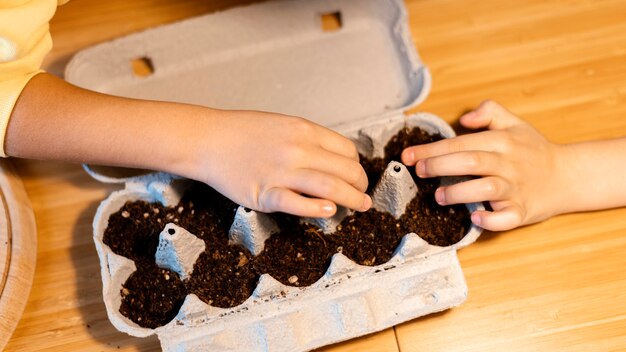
178, 250
350, 300
395, 190
275, 56
272, 56
250, 229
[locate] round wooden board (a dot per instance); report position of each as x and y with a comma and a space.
18, 250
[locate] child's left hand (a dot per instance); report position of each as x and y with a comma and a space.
521, 174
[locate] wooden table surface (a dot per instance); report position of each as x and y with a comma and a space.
555, 286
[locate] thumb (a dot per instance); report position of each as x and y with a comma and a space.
491, 115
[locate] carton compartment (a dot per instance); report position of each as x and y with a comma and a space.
249, 246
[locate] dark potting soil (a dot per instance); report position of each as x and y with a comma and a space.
298, 255
226, 275
152, 296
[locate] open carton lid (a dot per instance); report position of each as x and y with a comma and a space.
330, 61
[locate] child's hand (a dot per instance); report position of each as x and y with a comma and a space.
262, 161
267, 161
518, 166
272, 162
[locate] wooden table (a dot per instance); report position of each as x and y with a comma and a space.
555, 286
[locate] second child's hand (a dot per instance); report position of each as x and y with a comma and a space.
524, 177
519, 168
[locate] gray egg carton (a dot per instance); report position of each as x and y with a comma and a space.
350, 300
274, 56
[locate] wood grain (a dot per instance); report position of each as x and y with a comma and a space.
561, 65
555, 286
18, 249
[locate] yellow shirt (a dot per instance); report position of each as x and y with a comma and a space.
24, 42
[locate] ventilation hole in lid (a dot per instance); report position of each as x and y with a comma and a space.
331, 21
142, 67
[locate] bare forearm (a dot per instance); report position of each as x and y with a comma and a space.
263, 161
524, 177
54, 120
594, 175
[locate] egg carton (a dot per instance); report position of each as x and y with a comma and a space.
350, 300
276, 56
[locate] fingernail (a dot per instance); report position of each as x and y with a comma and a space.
420, 168
440, 196
409, 157
469, 116
367, 203
476, 219
328, 209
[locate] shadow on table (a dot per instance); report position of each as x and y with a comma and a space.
38, 170
89, 291
487, 236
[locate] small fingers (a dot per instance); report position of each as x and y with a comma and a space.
506, 218
347, 169
336, 143
483, 141
491, 115
476, 163
326, 138
287, 201
472, 191
326, 186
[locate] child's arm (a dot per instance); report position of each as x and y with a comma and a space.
260, 160
525, 178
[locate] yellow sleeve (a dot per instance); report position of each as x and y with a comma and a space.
24, 42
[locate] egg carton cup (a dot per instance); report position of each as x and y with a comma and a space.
350, 300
